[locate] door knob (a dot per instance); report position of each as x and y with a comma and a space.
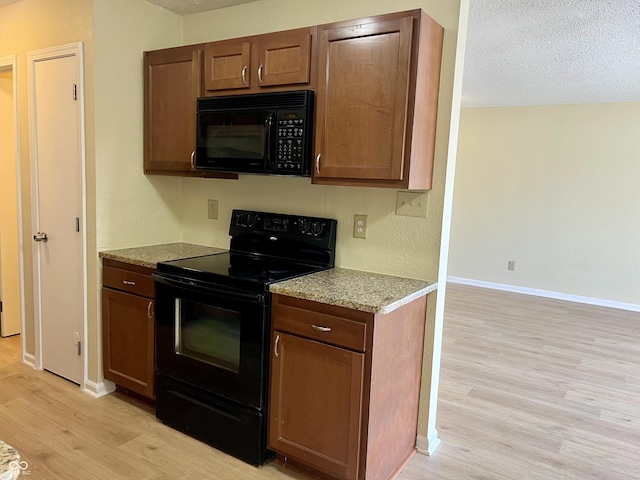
40, 237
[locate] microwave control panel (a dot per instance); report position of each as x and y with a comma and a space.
291, 141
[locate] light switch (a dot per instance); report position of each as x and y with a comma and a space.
412, 204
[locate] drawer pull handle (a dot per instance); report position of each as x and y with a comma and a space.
321, 329
149, 315
275, 348
128, 282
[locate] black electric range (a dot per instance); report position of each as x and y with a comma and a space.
213, 326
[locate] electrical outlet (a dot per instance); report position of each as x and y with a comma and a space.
212, 209
412, 204
359, 226
511, 265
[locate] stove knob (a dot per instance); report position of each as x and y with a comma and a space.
316, 228
303, 225
251, 219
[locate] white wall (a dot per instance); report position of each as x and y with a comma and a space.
132, 209
554, 188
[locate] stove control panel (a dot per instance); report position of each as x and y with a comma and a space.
292, 225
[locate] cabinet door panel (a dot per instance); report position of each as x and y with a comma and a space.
284, 58
316, 404
227, 65
172, 85
363, 92
127, 329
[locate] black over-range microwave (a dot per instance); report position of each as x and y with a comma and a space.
263, 133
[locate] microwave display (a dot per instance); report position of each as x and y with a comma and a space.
267, 133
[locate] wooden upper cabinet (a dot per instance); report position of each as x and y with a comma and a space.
273, 61
173, 82
227, 65
284, 58
377, 97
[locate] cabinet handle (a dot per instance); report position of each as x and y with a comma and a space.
128, 282
244, 75
321, 329
193, 160
149, 310
275, 348
318, 164
260, 73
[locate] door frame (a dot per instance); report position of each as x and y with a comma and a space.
33, 57
10, 63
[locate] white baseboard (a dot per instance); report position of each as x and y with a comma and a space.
546, 293
97, 390
426, 445
29, 359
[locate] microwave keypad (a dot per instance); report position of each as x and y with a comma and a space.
290, 141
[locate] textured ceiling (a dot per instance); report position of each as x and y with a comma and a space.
186, 7
543, 52
533, 52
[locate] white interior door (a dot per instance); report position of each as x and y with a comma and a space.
58, 206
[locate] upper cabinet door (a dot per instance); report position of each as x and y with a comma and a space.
284, 58
362, 99
173, 82
366, 111
270, 62
227, 65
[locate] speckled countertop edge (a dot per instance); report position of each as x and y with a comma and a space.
364, 291
8, 454
149, 256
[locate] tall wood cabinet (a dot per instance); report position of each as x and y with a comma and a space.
260, 63
377, 98
173, 80
344, 387
128, 326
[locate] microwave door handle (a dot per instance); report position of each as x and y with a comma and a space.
268, 126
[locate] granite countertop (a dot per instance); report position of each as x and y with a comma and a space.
149, 256
9, 462
364, 291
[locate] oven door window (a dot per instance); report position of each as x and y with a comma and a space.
208, 334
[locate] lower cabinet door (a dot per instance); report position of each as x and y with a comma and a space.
127, 329
316, 404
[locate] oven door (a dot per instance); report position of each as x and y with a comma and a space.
235, 141
211, 338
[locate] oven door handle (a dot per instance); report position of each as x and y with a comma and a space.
220, 292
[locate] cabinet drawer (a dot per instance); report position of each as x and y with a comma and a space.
131, 282
320, 326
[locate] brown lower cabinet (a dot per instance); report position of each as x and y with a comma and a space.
128, 326
344, 387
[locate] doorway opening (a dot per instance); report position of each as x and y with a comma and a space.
11, 252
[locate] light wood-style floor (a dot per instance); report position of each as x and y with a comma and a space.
531, 388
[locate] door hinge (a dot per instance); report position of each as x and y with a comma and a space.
75, 91
77, 224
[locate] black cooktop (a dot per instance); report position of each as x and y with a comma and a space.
237, 270
264, 248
